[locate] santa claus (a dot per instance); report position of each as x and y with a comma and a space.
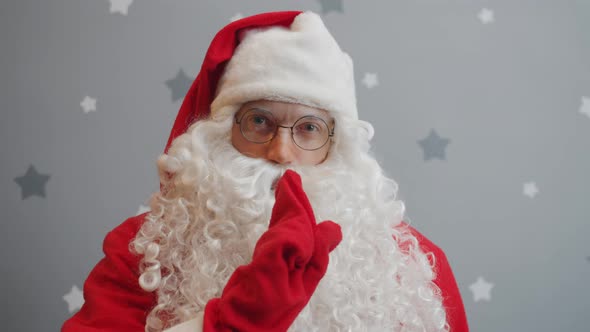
272, 213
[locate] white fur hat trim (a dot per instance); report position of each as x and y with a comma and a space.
300, 64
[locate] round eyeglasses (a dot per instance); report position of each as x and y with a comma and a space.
308, 132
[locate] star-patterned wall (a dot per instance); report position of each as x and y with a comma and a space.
481, 111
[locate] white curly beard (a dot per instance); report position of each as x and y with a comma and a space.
218, 202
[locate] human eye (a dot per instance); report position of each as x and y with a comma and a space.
260, 122
258, 119
310, 127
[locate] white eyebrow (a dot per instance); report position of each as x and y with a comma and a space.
295, 118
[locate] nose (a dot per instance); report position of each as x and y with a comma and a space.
281, 148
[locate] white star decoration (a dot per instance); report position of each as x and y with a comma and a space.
481, 290
88, 104
530, 189
142, 209
585, 106
370, 80
236, 17
120, 6
486, 16
74, 298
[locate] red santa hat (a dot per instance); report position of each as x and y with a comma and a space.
285, 56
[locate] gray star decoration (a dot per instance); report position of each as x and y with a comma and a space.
179, 85
32, 183
434, 146
331, 6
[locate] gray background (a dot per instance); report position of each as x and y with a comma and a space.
508, 96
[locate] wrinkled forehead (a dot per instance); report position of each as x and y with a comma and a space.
285, 112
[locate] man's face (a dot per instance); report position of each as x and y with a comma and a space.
257, 121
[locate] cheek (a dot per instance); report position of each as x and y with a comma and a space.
237, 140
243, 145
318, 156
235, 137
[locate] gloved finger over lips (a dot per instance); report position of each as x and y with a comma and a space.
291, 200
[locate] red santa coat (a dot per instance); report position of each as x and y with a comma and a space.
114, 301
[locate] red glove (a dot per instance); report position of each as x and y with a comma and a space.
288, 262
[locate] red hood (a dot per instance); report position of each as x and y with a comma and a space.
200, 95
196, 103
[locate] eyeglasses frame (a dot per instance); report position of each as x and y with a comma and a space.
330, 132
